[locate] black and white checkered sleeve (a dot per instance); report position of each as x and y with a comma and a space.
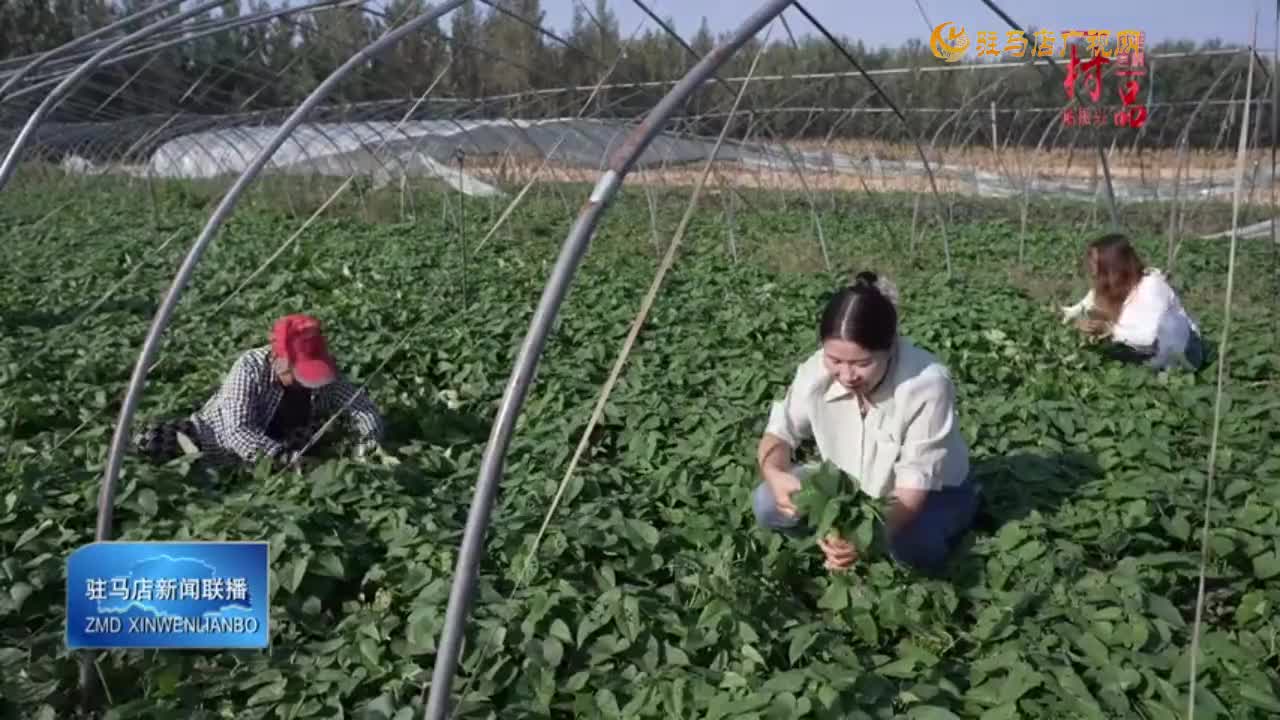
239, 400
355, 404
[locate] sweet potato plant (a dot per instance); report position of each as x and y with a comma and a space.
653, 594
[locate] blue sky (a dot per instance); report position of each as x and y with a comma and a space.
889, 22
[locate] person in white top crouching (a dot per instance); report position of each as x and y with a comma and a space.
883, 411
1134, 307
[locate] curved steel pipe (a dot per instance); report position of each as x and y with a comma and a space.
915, 136
1102, 154
107, 491
80, 42
571, 252
160, 322
56, 95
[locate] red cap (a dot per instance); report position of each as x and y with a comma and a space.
299, 340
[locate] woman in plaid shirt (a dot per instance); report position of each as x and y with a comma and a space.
271, 404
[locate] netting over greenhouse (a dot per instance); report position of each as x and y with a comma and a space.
569, 276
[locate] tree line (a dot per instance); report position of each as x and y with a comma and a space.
499, 54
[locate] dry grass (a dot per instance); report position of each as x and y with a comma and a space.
1152, 168
1077, 161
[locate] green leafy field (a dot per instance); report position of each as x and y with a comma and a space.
653, 594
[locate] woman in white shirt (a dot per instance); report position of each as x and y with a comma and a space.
1135, 307
883, 411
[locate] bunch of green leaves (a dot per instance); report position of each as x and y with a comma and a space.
831, 504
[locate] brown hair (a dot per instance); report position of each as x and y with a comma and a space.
1115, 270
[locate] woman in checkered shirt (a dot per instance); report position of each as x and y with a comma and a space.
272, 403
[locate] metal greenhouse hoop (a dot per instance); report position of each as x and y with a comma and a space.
80, 42
231, 138
57, 94
571, 252
160, 321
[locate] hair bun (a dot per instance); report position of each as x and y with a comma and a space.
865, 279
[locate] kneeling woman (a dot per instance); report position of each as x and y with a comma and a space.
1134, 307
883, 411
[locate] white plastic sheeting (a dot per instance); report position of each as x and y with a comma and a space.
386, 151
389, 150
341, 149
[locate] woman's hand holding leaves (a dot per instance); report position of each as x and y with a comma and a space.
840, 553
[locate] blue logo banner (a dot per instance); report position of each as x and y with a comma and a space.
203, 595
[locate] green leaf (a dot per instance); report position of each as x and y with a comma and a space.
560, 631
272, 693
370, 650
864, 535
29, 534
783, 707
381, 706
1266, 565
312, 606
421, 630
1165, 610
1260, 696
866, 628
608, 703
1029, 552
552, 651
577, 681
902, 668
1094, 648
1253, 605
1179, 527
20, 592
297, 572
328, 564
791, 681
801, 639
676, 656
1010, 536
646, 534
147, 501
600, 614
836, 597
719, 706
828, 696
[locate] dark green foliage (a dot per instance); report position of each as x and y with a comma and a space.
653, 595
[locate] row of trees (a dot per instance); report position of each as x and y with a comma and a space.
495, 49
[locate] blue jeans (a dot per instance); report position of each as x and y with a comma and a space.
1195, 352
923, 545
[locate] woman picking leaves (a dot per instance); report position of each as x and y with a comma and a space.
883, 411
271, 404
1134, 307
